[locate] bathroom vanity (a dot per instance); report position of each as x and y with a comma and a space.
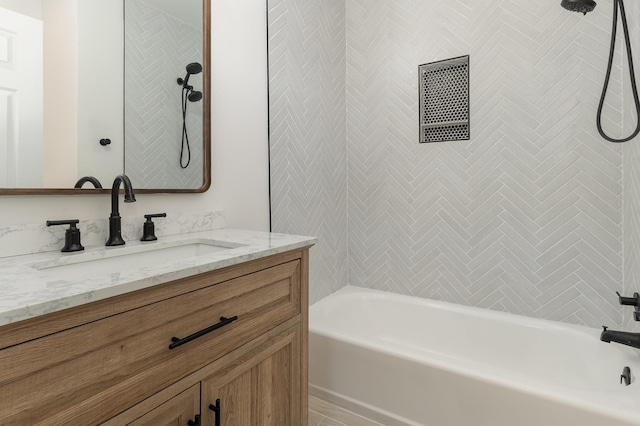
218, 338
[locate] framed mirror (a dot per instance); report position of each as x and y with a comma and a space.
93, 89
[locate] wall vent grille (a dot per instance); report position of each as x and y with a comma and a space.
444, 100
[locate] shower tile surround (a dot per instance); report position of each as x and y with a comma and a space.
526, 217
308, 152
631, 167
153, 118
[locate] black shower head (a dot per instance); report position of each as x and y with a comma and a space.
582, 6
195, 96
192, 68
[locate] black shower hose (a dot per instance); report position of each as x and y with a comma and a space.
632, 73
185, 134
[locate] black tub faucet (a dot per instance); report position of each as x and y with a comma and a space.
115, 227
622, 337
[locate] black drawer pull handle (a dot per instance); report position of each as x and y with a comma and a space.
179, 342
195, 422
216, 409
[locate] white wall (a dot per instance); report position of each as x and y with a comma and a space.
100, 96
60, 142
239, 137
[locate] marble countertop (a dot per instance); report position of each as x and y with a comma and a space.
26, 292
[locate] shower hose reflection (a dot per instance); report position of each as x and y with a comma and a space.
619, 5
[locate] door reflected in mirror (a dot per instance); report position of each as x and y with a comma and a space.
100, 88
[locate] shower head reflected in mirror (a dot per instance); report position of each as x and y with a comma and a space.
192, 95
195, 96
188, 95
192, 68
581, 6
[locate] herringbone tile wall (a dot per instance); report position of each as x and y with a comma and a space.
157, 48
307, 132
526, 217
631, 190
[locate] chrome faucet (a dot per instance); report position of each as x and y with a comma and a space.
115, 229
622, 337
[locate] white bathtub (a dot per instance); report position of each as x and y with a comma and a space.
408, 361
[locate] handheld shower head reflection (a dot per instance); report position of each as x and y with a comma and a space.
581, 6
195, 96
188, 95
192, 68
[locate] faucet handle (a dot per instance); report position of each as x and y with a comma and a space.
148, 228
628, 301
151, 216
71, 222
631, 301
72, 235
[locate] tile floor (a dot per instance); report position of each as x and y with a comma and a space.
322, 413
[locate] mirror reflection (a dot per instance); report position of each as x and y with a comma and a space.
91, 89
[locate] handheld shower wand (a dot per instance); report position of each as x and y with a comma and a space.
192, 68
584, 6
188, 95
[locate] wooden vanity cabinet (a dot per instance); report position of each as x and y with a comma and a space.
260, 384
257, 389
179, 410
109, 362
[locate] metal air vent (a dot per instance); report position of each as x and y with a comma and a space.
444, 100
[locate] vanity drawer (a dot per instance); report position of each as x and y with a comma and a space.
89, 373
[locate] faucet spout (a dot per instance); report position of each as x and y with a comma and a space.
94, 181
622, 337
115, 225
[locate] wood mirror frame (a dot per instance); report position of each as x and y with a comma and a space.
206, 122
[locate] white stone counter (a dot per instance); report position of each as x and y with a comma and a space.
27, 292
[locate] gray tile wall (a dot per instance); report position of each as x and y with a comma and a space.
307, 132
157, 48
526, 217
631, 176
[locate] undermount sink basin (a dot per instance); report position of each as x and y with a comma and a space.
119, 259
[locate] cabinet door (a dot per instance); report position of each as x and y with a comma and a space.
261, 388
181, 410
